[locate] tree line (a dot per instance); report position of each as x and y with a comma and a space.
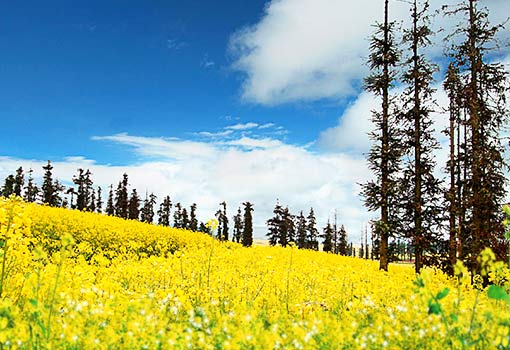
449, 219
124, 204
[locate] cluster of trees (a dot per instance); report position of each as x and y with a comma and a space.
450, 219
285, 228
123, 204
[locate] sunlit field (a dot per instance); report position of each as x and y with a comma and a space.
72, 280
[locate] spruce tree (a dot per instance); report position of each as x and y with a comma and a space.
31, 190
312, 233
99, 200
147, 213
382, 193
274, 224
247, 234
238, 226
8, 187
484, 87
164, 212
19, 181
421, 217
301, 238
185, 219
121, 198
48, 186
178, 216
327, 245
287, 229
193, 221
221, 215
81, 196
343, 245
110, 208
134, 205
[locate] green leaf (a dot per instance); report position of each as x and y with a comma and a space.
454, 317
419, 282
434, 308
442, 294
33, 302
498, 293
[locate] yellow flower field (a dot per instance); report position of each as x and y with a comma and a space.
72, 280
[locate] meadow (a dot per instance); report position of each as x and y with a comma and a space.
76, 280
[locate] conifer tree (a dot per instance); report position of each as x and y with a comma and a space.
110, 208
484, 88
343, 245
327, 245
147, 213
164, 212
311, 232
238, 226
203, 228
274, 224
19, 181
221, 215
178, 216
92, 201
134, 205
287, 229
31, 190
48, 186
81, 195
185, 219
99, 200
193, 221
301, 239
121, 198
382, 193
8, 187
247, 235
421, 217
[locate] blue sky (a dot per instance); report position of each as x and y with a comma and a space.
204, 101
73, 70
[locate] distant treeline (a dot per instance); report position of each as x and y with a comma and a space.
283, 228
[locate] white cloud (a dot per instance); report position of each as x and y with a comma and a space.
243, 169
245, 126
314, 49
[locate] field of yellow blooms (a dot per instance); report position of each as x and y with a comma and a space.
72, 280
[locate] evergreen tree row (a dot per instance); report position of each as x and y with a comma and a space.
285, 228
120, 203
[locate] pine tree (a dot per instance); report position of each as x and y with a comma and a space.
31, 190
383, 192
343, 245
311, 232
48, 186
164, 212
301, 239
92, 201
110, 208
274, 225
147, 213
121, 198
81, 196
178, 216
221, 215
185, 219
484, 88
287, 229
193, 221
238, 226
134, 205
19, 181
421, 217
99, 200
247, 234
8, 187
327, 245
204, 229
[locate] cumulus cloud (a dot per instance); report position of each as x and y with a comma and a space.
315, 49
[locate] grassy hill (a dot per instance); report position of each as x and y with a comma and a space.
73, 280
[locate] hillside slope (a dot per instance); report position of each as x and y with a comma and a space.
72, 280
